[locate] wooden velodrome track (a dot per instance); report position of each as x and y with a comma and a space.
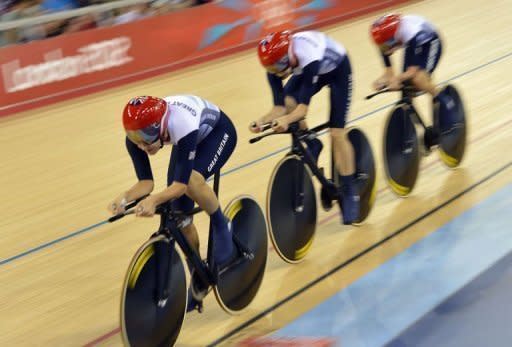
62, 165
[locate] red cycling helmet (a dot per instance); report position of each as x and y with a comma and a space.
273, 51
384, 29
142, 117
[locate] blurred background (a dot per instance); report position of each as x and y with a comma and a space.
50, 18
67, 69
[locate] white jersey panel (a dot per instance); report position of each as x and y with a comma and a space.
309, 46
410, 26
189, 113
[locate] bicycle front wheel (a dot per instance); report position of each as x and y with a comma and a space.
154, 296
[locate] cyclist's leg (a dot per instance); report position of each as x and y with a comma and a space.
425, 58
183, 204
291, 92
211, 154
344, 157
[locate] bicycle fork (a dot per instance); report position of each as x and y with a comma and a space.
164, 259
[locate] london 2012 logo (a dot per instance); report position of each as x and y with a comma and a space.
93, 57
263, 15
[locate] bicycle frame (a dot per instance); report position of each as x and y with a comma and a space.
170, 226
408, 93
207, 270
298, 148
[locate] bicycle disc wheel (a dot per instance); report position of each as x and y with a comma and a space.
238, 285
401, 151
291, 209
144, 322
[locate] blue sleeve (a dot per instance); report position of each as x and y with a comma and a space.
386, 59
277, 89
140, 161
309, 79
186, 153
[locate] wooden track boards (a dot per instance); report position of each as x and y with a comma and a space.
63, 164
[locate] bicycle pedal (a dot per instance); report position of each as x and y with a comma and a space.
198, 291
200, 307
199, 294
325, 199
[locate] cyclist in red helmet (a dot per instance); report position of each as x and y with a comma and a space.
313, 60
423, 50
202, 138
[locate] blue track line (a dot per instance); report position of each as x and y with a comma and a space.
237, 168
48, 244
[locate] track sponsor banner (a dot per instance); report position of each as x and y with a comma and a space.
43, 72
